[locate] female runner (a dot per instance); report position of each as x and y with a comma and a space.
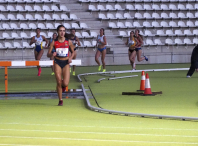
61, 60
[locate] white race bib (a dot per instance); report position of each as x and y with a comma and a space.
62, 52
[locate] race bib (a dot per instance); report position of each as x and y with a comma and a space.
38, 42
62, 52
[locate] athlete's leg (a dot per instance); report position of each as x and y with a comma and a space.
97, 56
139, 53
103, 57
58, 73
35, 55
66, 76
75, 54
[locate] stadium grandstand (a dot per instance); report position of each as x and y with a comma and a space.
169, 27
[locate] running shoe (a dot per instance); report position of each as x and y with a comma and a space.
74, 73
52, 73
39, 71
60, 103
104, 70
146, 58
188, 76
99, 68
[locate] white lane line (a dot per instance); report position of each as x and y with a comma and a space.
22, 144
99, 127
101, 140
101, 133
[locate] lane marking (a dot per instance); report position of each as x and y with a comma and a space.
98, 127
102, 133
23, 144
101, 140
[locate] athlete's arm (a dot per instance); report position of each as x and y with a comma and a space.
32, 40
49, 53
46, 44
72, 51
137, 43
78, 41
141, 40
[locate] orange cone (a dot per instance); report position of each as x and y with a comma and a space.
147, 90
142, 83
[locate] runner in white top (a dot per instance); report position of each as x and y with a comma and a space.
101, 42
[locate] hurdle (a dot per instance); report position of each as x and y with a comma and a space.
7, 64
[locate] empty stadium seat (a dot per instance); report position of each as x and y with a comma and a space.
14, 26
93, 34
73, 16
11, 17
19, 8
6, 35
187, 32
155, 24
2, 17
178, 41
10, 8
156, 15
130, 7
5, 26
112, 25
37, 8
55, 8
181, 7
181, 24
8, 45
172, 15
26, 45
92, 8
158, 42
138, 7
110, 8
127, 16
32, 25
138, 16
29, 17
187, 41
128, 24
148, 33
190, 7
64, 8
101, 8
172, 7
190, 15
111, 16
28, 8
136, 24
32, 34
64, 17
41, 25
57, 24
24, 35
38, 17
79, 35
23, 26
56, 17
164, 15
169, 41
190, 24
46, 8
169, 32
181, 15
47, 17
50, 26
118, 7
83, 25
146, 24
173, 24
156, 7
17, 45
164, 7
20, 17
2, 8
122, 33
179, 32
195, 32
149, 42
195, 40
67, 25
147, 7
121, 25
75, 25
88, 44
119, 16
147, 16
85, 35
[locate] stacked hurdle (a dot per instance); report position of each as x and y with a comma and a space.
7, 64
